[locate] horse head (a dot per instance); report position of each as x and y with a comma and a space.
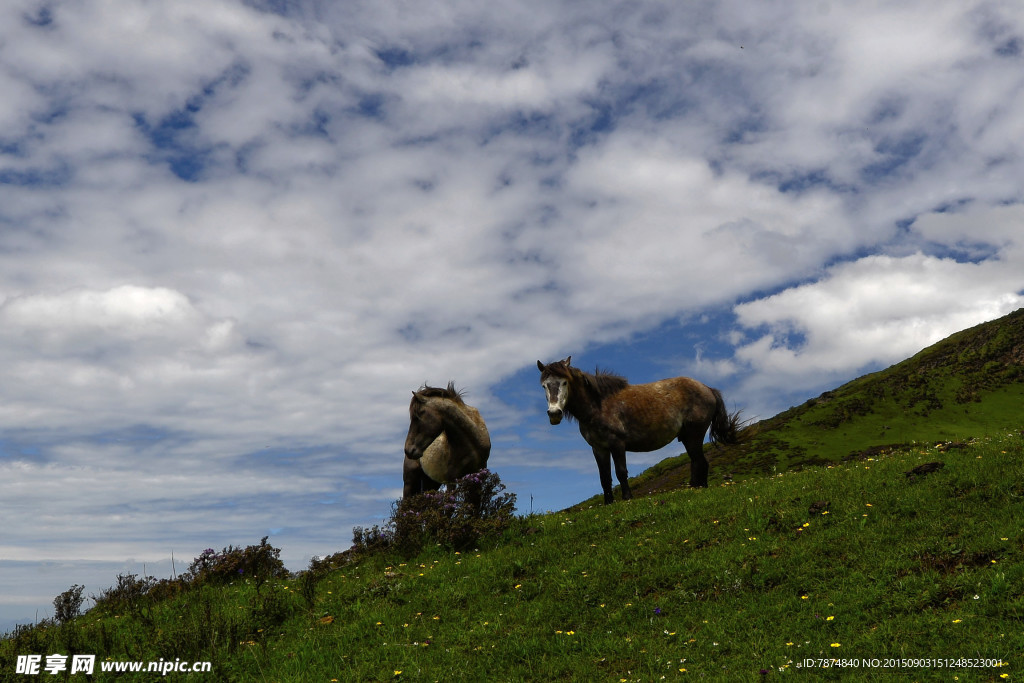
425, 424
555, 380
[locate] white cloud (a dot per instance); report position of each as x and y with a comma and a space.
997, 226
866, 314
114, 357
655, 228
128, 310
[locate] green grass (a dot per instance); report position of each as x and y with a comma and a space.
720, 584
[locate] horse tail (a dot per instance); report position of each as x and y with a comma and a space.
725, 428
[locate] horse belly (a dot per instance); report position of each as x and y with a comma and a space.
436, 460
653, 438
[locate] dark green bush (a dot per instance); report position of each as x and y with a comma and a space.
457, 518
127, 595
68, 604
257, 562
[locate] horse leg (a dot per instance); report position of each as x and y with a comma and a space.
604, 468
415, 480
621, 473
412, 478
698, 463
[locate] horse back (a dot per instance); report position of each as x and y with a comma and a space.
482, 434
649, 416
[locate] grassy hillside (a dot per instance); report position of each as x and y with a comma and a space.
831, 543
746, 581
969, 384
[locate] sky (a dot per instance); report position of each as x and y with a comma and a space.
234, 236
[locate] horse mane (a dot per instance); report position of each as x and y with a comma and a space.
449, 392
604, 382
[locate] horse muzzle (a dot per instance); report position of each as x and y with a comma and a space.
555, 416
413, 452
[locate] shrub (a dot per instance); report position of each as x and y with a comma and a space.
457, 518
259, 562
167, 589
32, 638
127, 595
373, 540
68, 604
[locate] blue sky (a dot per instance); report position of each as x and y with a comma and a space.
235, 235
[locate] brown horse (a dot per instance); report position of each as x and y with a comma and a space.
447, 440
616, 416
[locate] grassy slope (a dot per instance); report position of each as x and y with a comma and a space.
970, 384
731, 580
726, 581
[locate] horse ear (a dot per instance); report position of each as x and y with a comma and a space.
540, 366
568, 361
